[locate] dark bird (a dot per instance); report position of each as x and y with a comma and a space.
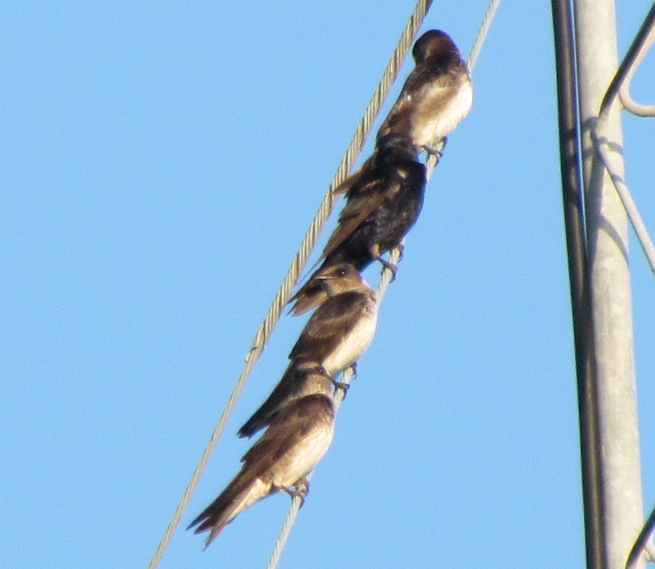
382, 206
436, 96
333, 339
294, 443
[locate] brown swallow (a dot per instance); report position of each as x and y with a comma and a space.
333, 339
383, 205
294, 443
436, 96
342, 328
289, 388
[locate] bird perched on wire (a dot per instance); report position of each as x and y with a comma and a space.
342, 328
288, 389
294, 443
436, 96
382, 206
333, 339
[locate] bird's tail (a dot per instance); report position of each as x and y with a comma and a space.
240, 494
310, 295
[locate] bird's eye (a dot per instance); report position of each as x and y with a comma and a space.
342, 272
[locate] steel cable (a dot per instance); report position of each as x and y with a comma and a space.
281, 298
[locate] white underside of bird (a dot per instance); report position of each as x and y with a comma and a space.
353, 345
428, 132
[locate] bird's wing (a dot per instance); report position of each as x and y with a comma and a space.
359, 208
289, 428
276, 400
331, 322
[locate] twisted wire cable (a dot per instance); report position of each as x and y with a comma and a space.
281, 298
385, 279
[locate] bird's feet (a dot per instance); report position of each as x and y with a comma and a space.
299, 490
437, 149
344, 387
390, 266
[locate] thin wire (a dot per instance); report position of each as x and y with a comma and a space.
296, 502
642, 43
482, 33
629, 205
347, 376
299, 261
385, 280
643, 543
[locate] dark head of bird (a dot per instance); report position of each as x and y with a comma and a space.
395, 145
341, 278
433, 43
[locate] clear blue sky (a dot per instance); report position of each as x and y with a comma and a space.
160, 164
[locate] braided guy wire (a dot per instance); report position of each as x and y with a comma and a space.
281, 298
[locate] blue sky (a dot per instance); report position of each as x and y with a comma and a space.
161, 162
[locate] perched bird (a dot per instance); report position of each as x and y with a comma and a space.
333, 339
380, 212
436, 96
382, 206
288, 389
294, 443
342, 328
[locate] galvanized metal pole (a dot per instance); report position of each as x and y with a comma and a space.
609, 274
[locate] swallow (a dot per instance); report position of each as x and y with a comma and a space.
333, 339
294, 443
342, 328
382, 206
292, 386
436, 96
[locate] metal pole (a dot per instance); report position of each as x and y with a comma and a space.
578, 282
610, 286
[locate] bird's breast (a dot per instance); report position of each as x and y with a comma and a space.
304, 456
353, 344
438, 116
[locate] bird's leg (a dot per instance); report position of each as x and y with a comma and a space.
390, 266
337, 384
376, 254
300, 490
341, 385
294, 494
437, 149
401, 251
302, 485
